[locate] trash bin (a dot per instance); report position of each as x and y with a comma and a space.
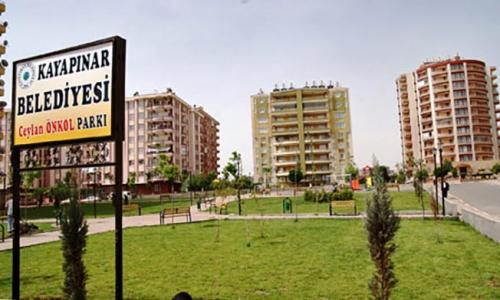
198, 205
287, 205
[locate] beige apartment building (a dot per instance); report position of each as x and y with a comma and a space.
450, 105
163, 123
159, 123
307, 128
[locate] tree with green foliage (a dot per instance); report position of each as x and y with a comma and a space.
443, 170
131, 183
59, 192
495, 168
74, 238
295, 175
28, 181
232, 171
351, 170
246, 182
167, 170
38, 194
149, 179
420, 176
381, 224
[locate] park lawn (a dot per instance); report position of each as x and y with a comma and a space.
104, 209
402, 201
308, 259
46, 227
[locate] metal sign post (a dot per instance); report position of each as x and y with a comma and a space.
66, 98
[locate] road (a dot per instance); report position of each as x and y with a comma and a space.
481, 195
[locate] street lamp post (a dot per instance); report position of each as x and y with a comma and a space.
190, 187
95, 194
441, 175
435, 177
4, 176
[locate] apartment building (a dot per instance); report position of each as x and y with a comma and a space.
159, 123
450, 105
307, 128
163, 123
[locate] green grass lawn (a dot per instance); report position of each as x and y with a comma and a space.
46, 227
402, 201
309, 259
104, 209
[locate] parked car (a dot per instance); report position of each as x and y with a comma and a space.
89, 199
124, 194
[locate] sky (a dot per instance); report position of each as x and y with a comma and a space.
216, 54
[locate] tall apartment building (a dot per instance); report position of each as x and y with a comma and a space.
451, 104
308, 128
160, 123
163, 123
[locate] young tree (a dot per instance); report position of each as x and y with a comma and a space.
74, 237
168, 171
381, 225
295, 176
233, 170
495, 168
420, 175
28, 181
131, 185
352, 170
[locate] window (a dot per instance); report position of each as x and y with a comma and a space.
456, 67
457, 94
339, 115
262, 129
339, 94
458, 75
262, 120
339, 104
339, 125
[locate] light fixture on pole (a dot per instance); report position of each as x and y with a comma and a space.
434, 152
441, 171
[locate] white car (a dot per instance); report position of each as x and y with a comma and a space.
124, 194
89, 199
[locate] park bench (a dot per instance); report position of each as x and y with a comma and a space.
342, 204
392, 185
175, 212
132, 207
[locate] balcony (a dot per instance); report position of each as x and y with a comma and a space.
319, 172
312, 120
285, 131
284, 112
286, 152
280, 163
284, 121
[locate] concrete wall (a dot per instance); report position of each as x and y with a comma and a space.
486, 224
